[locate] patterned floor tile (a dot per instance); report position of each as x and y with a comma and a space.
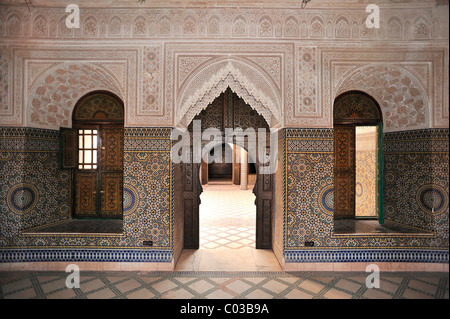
416, 294
104, 293
222, 285
62, 294
348, 285
220, 294
17, 285
201, 286
311, 286
164, 286
91, 285
298, 294
275, 286
142, 293
336, 294
178, 294
376, 294
238, 286
51, 286
258, 294
128, 285
227, 217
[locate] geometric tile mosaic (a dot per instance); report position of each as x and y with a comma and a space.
309, 204
35, 192
416, 164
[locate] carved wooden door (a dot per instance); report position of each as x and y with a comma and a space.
191, 203
99, 174
344, 171
264, 206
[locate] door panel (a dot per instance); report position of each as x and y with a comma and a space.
99, 192
86, 194
191, 204
111, 172
111, 195
112, 148
344, 171
236, 178
264, 206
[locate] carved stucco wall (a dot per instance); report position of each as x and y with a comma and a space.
56, 92
167, 63
401, 97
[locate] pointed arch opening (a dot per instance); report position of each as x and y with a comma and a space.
214, 191
243, 77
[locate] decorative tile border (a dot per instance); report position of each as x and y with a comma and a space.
99, 255
374, 255
416, 141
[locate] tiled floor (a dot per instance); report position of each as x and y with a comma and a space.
227, 217
222, 285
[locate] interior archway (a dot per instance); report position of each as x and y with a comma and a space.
246, 79
228, 111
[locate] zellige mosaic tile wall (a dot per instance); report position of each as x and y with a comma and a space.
35, 192
309, 202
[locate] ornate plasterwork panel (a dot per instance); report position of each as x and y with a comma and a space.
5, 105
52, 80
52, 98
307, 111
261, 74
150, 105
402, 98
410, 86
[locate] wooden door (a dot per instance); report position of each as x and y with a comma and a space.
264, 191
236, 177
111, 172
344, 171
99, 173
191, 191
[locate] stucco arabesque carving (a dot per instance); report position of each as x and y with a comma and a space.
228, 76
403, 100
59, 88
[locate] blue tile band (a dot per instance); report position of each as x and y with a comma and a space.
99, 255
358, 255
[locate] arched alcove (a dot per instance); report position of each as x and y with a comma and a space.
357, 156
